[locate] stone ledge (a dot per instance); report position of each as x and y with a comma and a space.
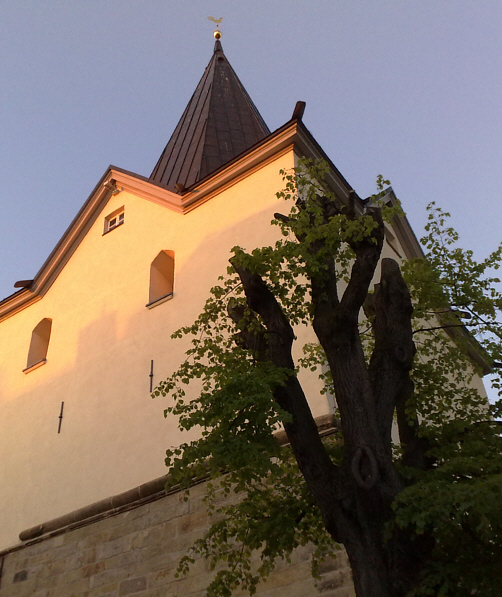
150, 491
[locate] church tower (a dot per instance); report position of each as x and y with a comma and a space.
84, 511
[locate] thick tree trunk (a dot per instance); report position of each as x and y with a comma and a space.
367, 397
355, 498
385, 566
369, 568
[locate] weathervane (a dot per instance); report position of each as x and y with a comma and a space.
217, 32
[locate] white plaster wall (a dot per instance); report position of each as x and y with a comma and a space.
113, 435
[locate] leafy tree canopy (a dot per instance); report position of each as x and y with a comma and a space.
398, 352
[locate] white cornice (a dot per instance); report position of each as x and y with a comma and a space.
127, 181
116, 179
403, 231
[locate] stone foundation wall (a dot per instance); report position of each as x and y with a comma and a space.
135, 552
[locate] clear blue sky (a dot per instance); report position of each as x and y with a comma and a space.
409, 89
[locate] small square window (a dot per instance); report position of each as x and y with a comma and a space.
114, 220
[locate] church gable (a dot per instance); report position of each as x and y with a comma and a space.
109, 340
82, 345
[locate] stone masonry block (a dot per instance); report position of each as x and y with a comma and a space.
299, 555
303, 588
109, 522
123, 560
147, 537
331, 564
132, 585
172, 507
35, 548
170, 528
17, 561
166, 562
106, 577
75, 561
93, 569
158, 552
197, 503
112, 548
110, 590
338, 580
40, 558
129, 528
182, 542
48, 582
343, 592
288, 575
77, 535
9, 568
79, 587
162, 592
151, 519
22, 589
192, 522
197, 490
93, 539
193, 583
162, 576
135, 513
57, 540
53, 568
90, 555
74, 575
64, 551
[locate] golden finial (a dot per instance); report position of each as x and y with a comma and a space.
217, 32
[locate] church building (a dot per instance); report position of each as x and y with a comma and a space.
83, 509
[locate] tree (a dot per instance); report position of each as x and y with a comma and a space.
402, 509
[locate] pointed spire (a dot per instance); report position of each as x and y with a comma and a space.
219, 123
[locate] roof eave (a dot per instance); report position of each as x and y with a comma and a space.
113, 180
292, 136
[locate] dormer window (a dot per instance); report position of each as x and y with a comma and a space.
115, 219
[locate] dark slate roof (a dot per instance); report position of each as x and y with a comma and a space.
219, 123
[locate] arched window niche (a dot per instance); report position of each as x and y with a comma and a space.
39, 345
161, 278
